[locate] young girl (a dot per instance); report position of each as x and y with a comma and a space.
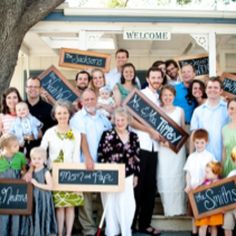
12, 165
43, 219
213, 172
230, 216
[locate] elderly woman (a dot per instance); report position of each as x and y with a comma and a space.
63, 144
119, 145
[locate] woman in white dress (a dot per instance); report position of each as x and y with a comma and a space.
170, 174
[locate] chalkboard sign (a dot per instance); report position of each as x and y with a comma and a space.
57, 86
229, 84
73, 58
214, 198
200, 63
15, 197
149, 114
75, 177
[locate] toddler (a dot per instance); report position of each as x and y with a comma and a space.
43, 219
12, 166
26, 127
105, 101
213, 172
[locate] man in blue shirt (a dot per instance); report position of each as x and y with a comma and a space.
91, 124
181, 98
212, 116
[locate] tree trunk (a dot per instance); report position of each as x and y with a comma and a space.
16, 18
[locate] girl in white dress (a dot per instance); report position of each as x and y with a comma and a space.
170, 174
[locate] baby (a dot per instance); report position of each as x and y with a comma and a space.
26, 127
105, 101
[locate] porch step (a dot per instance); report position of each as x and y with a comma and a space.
176, 223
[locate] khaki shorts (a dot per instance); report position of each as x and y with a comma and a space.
229, 220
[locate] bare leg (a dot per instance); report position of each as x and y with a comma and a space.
70, 216
228, 232
202, 230
60, 212
213, 231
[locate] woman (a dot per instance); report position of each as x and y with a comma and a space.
197, 91
171, 183
9, 99
127, 84
97, 81
63, 144
118, 145
229, 138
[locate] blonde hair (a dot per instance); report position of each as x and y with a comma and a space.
215, 167
6, 139
38, 150
233, 154
121, 111
22, 104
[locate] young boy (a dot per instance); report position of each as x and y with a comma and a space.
230, 216
196, 163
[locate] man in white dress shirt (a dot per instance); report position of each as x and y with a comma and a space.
146, 190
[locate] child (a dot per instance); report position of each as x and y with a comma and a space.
12, 165
230, 216
26, 127
105, 100
43, 219
196, 163
213, 172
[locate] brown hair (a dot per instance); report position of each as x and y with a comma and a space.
215, 167
233, 99
167, 87
200, 134
4, 108
215, 79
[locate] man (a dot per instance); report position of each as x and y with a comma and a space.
146, 189
37, 107
82, 79
172, 70
182, 92
212, 116
91, 124
113, 77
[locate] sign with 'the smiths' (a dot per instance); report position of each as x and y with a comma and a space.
144, 34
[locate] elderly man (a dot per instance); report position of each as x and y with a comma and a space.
91, 124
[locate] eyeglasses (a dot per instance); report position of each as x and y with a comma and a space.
32, 87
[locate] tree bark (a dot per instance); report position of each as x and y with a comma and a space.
16, 18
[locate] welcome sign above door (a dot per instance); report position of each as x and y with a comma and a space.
146, 34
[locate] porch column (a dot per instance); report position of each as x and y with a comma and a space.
212, 53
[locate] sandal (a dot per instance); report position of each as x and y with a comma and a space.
151, 231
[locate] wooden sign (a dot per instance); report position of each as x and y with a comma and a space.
200, 63
214, 198
149, 114
15, 197
78, 59
57, 86
75, 177
229, 84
